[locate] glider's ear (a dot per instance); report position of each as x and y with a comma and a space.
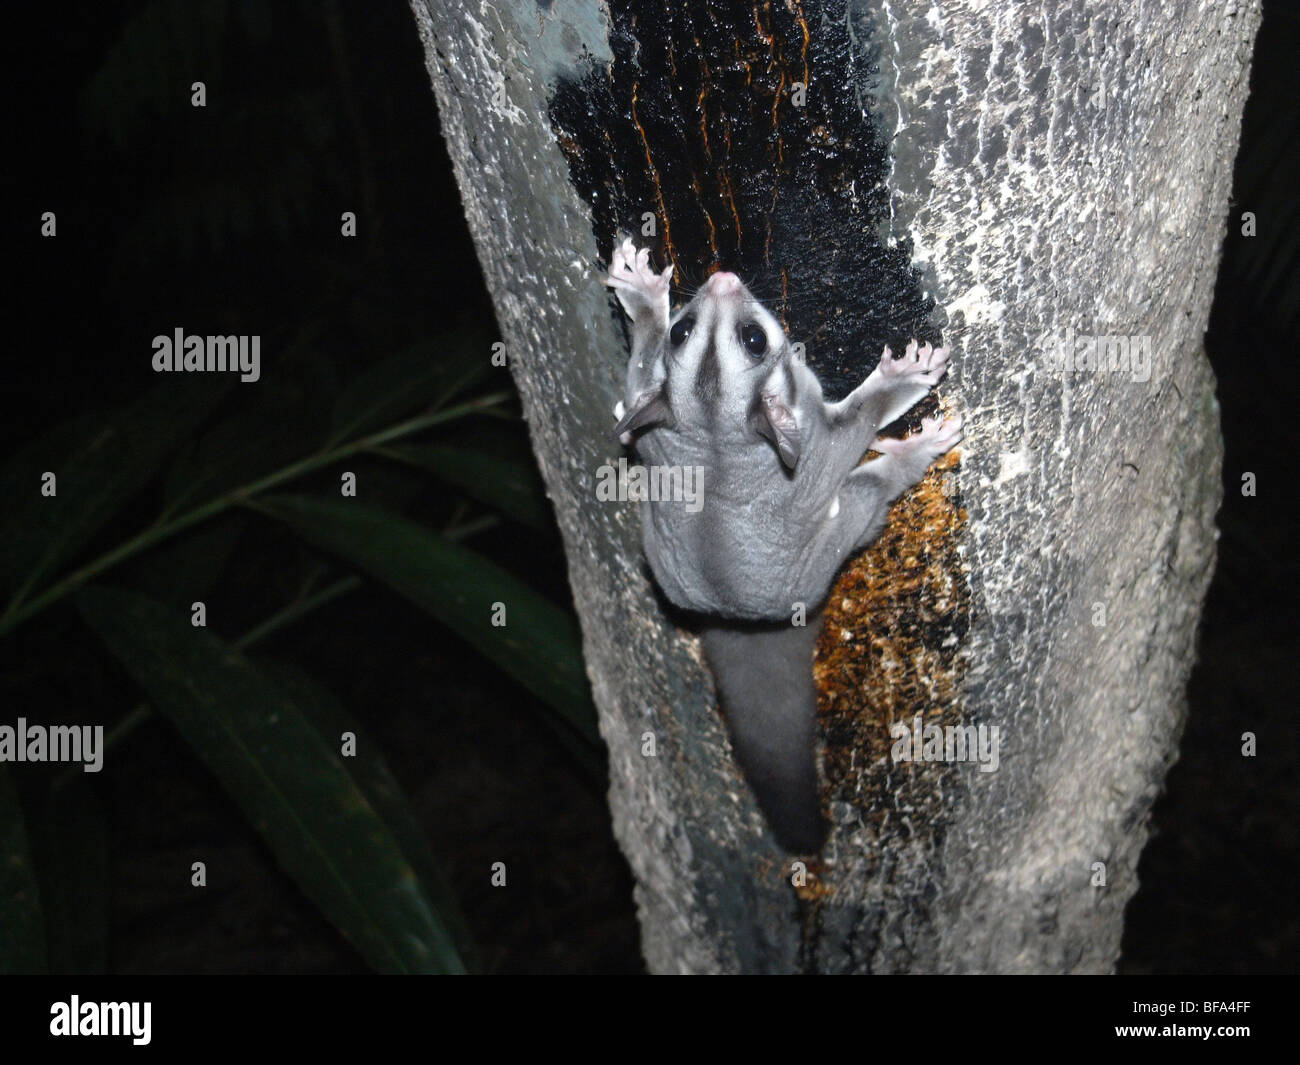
774, 421
649, 408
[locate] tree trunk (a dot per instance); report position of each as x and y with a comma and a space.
998, 176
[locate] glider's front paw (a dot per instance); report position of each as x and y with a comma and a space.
638, 287
934, 439
923, 364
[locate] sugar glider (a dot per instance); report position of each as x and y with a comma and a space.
786, 500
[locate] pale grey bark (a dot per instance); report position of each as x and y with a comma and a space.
1065, 164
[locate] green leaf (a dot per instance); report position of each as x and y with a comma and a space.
384, 484
22, 943
372, 775
539, 645
289, 782
510, 485
433, 371
100, 462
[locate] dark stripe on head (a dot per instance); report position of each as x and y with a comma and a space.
708, 377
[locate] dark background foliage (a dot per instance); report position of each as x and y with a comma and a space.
226, 220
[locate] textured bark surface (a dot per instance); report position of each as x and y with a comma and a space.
1065, 166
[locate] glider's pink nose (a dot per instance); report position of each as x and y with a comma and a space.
723, 282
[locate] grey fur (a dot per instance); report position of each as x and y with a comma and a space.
763, 675
786, 503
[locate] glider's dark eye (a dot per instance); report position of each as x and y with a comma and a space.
754, 339
681, 330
